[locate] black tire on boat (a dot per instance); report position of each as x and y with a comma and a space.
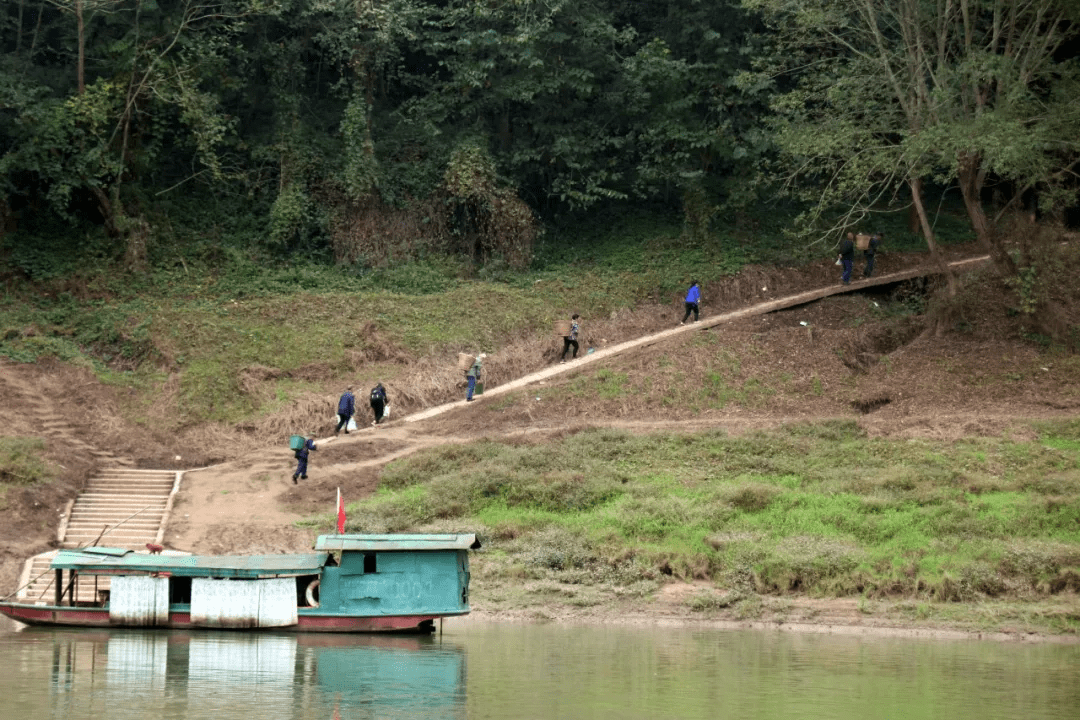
311, 594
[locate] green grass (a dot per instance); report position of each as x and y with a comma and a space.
22, 461
813, 507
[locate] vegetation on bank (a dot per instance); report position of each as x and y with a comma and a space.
206, 313
814, 508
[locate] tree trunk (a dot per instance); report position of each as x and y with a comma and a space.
19, 30
914, 221
81, 72
928, 232
970, 179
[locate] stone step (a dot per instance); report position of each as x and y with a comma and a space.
127, 473
92, 531
118, 512
128, 486
132, 479
91, 514
106, 512
121, 499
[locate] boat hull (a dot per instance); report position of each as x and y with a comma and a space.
307, 621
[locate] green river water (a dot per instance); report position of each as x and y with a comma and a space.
487, 670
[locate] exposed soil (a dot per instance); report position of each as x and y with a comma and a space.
861, 356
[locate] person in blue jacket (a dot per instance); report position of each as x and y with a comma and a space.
301, 458
346, 406
693, 297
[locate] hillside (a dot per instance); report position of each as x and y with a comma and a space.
877, 362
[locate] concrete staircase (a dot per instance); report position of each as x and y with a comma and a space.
120, 507
128, 506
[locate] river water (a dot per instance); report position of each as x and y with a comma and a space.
486, 670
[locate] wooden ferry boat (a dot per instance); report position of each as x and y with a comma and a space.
351, 583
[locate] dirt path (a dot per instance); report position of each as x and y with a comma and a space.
763, 308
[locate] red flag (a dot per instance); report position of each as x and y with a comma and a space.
340, 514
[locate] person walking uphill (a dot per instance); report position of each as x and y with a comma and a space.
378, 402
571, 339
301, 458
693, 297
847, 257
346, 406
473, 375
869, 252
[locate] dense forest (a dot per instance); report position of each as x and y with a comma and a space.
372, 131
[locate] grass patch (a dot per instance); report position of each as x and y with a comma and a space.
22, 461
768, 512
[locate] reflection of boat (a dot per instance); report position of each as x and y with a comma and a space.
352, 583
269, 675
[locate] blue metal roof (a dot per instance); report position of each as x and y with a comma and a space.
117, 562
399, 542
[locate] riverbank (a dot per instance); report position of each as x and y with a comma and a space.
1000, 621
834, 452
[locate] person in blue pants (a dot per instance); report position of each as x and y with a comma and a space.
301, 458
693, 297
473, 375
847, 257
346, 406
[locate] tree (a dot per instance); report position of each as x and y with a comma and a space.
106, 131
885, 93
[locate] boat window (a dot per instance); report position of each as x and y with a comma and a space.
369, 563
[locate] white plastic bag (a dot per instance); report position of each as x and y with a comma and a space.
350, 427
386, 411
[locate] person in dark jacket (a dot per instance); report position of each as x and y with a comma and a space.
473, 375
693, 297
378, 402
847, 257
869, 253
571, 339
346, 406
301, 458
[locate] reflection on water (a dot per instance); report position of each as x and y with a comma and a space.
128, 674
528, 671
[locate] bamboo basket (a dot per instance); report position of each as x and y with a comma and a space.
465, 361
562, 328
862, 242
